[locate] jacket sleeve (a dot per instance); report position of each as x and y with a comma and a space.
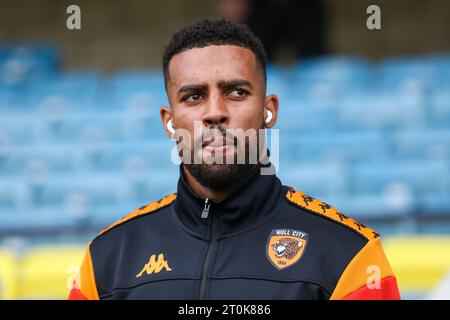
84, 286
368, 276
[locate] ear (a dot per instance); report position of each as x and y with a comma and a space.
166, 115
271, 105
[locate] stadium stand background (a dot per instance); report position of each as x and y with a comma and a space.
365, 127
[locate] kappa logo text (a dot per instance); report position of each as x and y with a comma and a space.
155, 266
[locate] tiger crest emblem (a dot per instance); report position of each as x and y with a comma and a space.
285, 247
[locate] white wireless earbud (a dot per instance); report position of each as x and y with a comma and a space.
269, 116
170, 127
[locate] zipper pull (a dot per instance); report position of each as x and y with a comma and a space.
205, 211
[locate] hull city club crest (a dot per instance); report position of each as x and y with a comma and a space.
285, 247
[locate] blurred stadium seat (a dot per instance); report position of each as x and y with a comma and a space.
20, 63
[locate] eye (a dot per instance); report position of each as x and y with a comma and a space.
238, 93
193, 97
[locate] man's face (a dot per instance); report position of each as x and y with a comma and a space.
216, 87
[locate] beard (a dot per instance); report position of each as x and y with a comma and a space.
219, 177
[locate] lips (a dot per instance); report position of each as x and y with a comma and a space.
216, 142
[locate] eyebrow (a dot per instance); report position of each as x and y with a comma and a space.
235, 83
224, 84
192, 87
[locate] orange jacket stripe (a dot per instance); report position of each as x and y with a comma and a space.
84, 287
369, 265
316, 206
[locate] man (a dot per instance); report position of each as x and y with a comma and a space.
232, 230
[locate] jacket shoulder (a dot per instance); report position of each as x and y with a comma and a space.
142, 211
325, 211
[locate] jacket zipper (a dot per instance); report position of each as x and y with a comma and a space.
209, 253
205, 211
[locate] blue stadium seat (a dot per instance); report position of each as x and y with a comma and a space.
48, 218
142, 123
11, 100
380, 112
4, 53
416, 177
279, 82
333, 76
119, 156
56, 158
434, 204
56, 189
439, 115
89, 128
298, 116
423, 144
67, 92
102, 216
344, 147
17, 129
21, 62
315, 179
415, 74
138, 90
368, 206
9, 194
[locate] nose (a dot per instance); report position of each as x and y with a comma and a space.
216, 112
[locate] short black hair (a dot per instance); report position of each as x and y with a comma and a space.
206, 32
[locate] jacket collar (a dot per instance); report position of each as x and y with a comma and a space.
246, 207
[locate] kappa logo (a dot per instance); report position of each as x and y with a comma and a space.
285, 247
155, 266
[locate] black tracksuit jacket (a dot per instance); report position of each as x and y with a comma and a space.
264, 241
